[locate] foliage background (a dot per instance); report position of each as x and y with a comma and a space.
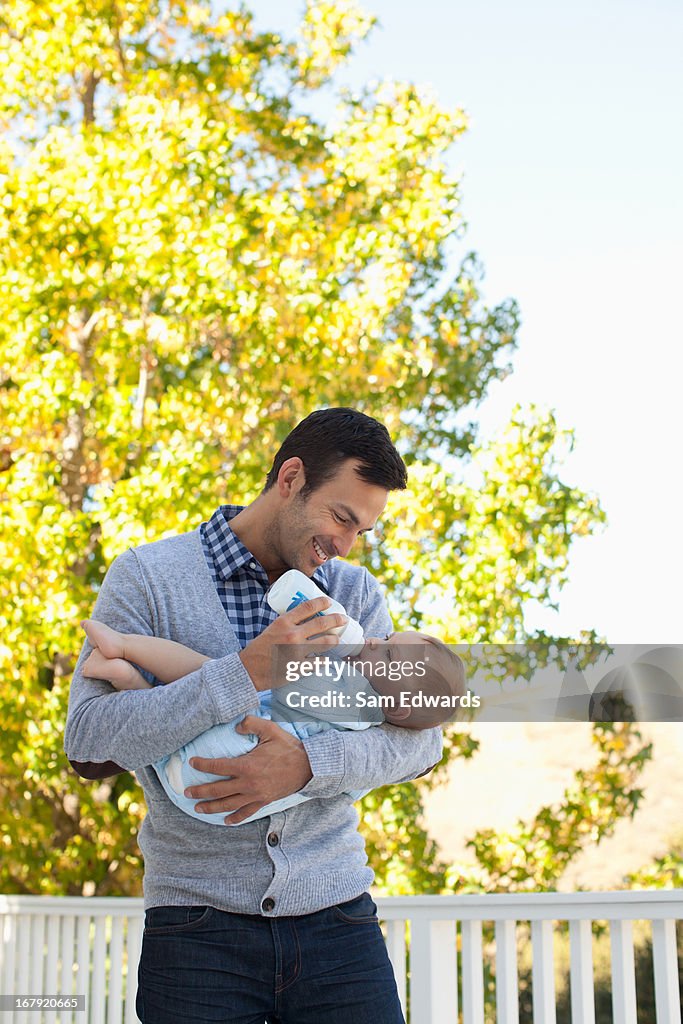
190, 262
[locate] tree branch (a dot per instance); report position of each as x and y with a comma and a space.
88, 97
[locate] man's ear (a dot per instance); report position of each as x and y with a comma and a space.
291, 477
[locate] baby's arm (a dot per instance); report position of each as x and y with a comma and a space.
115, 651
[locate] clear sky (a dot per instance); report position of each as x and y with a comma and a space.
572, 179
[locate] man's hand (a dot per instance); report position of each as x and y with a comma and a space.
276, 767
289, 639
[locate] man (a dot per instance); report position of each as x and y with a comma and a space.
269, 921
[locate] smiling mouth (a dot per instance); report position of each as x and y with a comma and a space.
322, 555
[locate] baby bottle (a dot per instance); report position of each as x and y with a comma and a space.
294, 588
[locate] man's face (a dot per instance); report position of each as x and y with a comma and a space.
327, 523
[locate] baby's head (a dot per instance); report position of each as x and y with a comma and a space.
422, 675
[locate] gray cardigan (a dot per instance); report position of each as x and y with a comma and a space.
164, 589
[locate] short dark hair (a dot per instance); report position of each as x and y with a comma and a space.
329, 437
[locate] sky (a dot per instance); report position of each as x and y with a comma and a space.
572, 173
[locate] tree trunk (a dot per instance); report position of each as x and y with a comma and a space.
73, 477
88, 97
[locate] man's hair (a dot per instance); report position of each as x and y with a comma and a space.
329, 437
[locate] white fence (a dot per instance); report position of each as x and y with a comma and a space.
90, 946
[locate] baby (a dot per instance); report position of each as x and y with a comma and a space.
418, 692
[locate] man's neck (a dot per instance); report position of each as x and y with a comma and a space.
252, 527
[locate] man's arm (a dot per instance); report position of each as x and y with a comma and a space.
342, 762
138, 727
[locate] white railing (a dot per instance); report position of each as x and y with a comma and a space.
90, 946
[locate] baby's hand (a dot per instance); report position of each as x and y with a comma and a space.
121, 674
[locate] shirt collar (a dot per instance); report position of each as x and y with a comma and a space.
230, 555
227, 551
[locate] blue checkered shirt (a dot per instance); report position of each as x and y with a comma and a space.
239, 578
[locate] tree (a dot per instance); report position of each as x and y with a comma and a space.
665, 872
534, 855
189, 263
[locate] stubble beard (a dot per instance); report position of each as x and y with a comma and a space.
289, 555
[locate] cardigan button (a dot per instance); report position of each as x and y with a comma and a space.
273, 839
268, 904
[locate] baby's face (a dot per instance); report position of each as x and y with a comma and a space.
389, 649
376, 655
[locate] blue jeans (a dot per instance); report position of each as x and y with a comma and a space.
201, 965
